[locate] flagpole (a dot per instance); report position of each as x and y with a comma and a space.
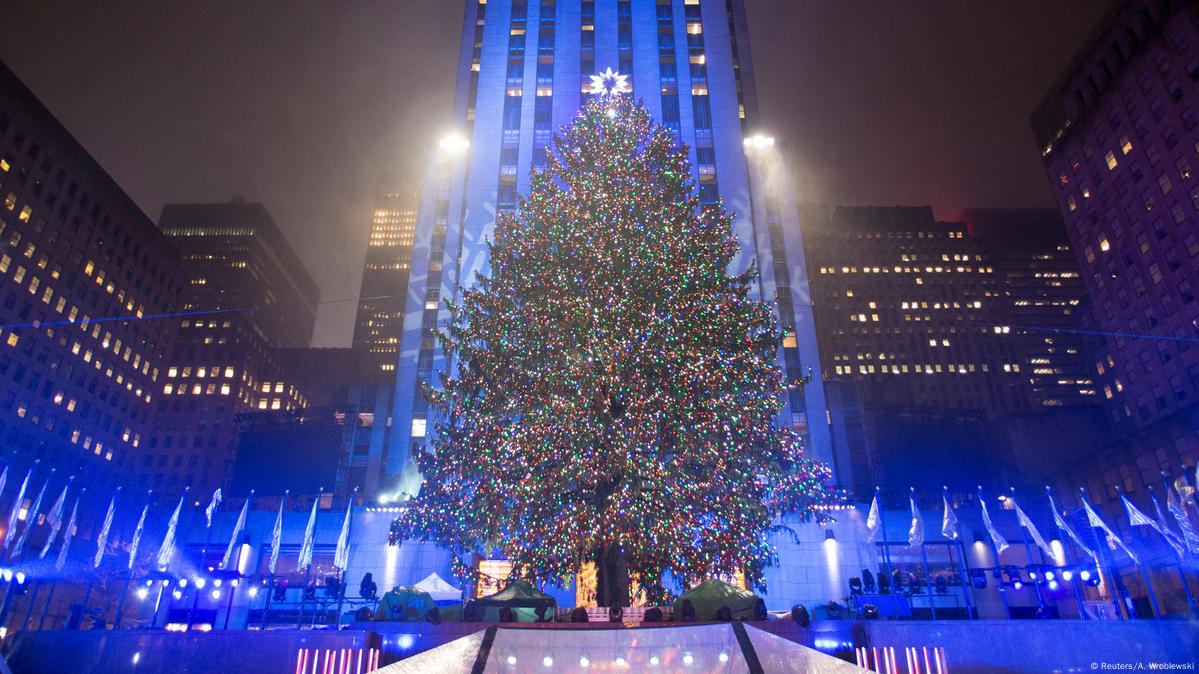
341, 595
116, 622
882, 522
1144, 566
1036, 586
1186, 588
928, 577
1118, 596
956, 542
276, 543
998, 565
1078, 598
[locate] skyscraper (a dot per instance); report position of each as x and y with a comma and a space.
380, 319
524, 70
84, 280
247, 295
1119, 139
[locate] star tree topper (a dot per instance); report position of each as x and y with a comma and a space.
610, 83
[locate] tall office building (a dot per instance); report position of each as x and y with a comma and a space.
524, 70
247, 296
381, 302
1043, 296
83, 274
1119, 140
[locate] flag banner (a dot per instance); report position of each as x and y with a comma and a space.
874, 521
1031, 528
949, 522
341, 558
137, 535
997, 538
1185, 490
67, 535
237, 529
3, 479
54, 519
309, 544
1189, 535
277, 536
212, 506
916, 532
31, 520
1093, 520
1163, 527
1061, 524
167, 550
102, 538
15, 514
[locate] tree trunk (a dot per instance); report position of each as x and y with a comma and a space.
612, 577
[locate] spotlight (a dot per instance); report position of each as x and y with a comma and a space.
149, 582
253, 591
454, 143
1032, 574
1053, 585
177, 594
182, 582
547, 661
8, 575
584, 662
235, 582
142, 593
1017, 585
654, 661
1067, 575
216, 594
1049, 575
1084, 575
511, 659
216, 583
20, 578
620, 662
688, 660
200, 582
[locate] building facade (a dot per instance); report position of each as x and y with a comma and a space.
381, 301
524, 68
1119, 140
85, 282
247, 296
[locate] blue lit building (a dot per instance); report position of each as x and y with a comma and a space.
524, 71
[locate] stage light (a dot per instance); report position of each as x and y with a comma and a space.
199, 582
620, 662
688, 660
253, 591
1067, 575
177, 594
1049, 575
8, 575
216, 583
216, 594
235, 582
1018, 585
1053, 585
182, 582
584, 662
547, 661
654, 661
1032, 574
1084, 575
511, 659
724, 657
20, 578
142, 593
149, 582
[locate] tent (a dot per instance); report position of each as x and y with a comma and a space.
522, 598
438, 589
707, 598
404, 604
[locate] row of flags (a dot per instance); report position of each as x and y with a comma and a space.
13, 546
1183, 541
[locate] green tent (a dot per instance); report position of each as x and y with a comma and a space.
707, 598
404, 604
522, 598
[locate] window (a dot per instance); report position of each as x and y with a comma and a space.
1111, 161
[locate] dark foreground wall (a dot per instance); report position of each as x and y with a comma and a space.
978, 647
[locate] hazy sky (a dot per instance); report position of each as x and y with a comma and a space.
302, 105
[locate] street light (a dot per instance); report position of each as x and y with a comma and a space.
454, 144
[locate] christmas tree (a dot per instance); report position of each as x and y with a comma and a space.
614, 391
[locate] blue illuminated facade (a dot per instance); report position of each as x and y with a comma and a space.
524, 71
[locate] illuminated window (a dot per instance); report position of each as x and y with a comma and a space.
1110, 158
418, 428
1125, 144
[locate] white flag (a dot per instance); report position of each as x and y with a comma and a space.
3, 479
341, 558
997, 538
309, 544
167, 550
1031, 528
949, 523
237, 528
277, 536
137, 535
212, 506
1061, 524
102, 538
874, 521
1094, 521
54, 518
30, 520
67, 535
14, 515
1163, 527
916, 532
1189, 535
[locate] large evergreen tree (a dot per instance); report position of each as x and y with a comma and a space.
614, 390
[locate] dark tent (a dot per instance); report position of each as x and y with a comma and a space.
707, 598
404, 604
522, 598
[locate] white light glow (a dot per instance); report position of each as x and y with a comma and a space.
454, 144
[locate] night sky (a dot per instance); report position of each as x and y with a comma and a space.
881, 102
